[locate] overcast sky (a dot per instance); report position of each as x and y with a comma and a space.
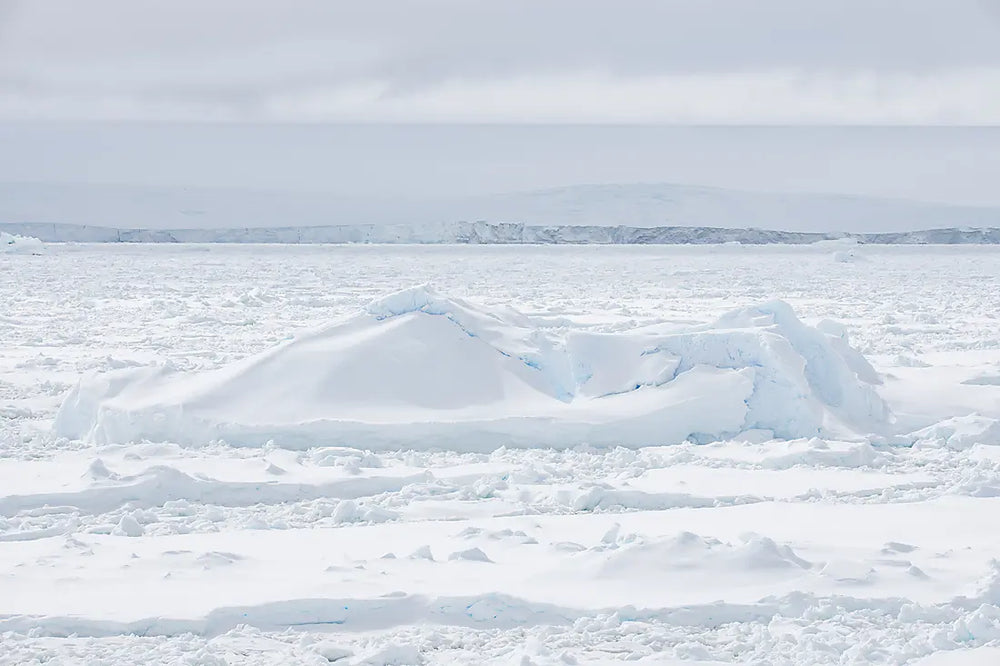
674, 61
269, 94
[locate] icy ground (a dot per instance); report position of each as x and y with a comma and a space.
876, 548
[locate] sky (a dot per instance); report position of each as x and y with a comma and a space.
515, 61
946, 164
436, 98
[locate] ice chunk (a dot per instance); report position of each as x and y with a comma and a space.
959, 433
471, 555
128, 526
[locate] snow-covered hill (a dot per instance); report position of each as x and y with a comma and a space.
628, 205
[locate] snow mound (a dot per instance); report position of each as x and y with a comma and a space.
13, 244
959, 433
848, 257
693, 552
983, 379
418, 370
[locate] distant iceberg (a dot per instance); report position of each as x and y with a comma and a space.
15, 244
416, 369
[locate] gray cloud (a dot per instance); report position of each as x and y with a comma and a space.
715, 61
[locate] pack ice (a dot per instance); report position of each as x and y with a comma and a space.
416, 369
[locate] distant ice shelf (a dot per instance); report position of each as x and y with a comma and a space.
490, 233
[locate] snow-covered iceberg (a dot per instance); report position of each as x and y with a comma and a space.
418, 370
14, 244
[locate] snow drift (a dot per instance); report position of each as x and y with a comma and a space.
418, 370
14, 244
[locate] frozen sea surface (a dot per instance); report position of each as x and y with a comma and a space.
874, 548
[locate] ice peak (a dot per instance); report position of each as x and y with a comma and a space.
422, 298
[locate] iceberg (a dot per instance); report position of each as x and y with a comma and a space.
418, 370
15, 244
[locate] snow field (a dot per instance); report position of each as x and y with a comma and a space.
871, 542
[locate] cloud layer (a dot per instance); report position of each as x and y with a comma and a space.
710, 61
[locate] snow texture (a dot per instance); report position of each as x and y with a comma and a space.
122, 543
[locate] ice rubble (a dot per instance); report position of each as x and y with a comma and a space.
14, 244
418, 370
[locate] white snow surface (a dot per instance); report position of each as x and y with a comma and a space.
418, 370
185, 513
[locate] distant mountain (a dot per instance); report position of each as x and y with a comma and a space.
486, 233
629, 205
657, 205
